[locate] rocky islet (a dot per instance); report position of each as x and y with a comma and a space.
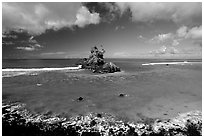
96, 62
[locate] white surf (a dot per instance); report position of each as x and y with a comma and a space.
167, 63
22, 71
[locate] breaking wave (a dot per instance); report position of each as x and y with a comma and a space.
33, 71
168, 63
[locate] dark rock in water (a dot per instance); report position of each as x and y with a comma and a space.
99, 115
122, 95
80, 98
96, 62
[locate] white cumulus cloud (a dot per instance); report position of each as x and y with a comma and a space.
182, 31
84, 17
175, 42
164, 51
181, 13
26, 48
162, 37
173, 39
37, 17
195, 34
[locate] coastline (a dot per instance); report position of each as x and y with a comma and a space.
17, 120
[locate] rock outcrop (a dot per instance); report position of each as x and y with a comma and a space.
96, 62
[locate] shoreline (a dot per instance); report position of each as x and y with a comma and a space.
17, 120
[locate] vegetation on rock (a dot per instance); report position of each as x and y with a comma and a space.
96, 62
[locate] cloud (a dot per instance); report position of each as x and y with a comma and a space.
173, 39
7, 43
84, 17
161, 50
20, 41
173, 50
180, 13
175, 42
53, 53
26, 48
116, 28
37, 17
160, 38
164, 51
108, 10
169, 39
198, 42
182, 31
32, 46
145, 39
9, 36
140, 37
119, 28
195, 34
121, 54
63, 54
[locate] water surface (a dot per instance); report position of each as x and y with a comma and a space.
158, 91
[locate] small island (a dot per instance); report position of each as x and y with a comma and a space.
96, 63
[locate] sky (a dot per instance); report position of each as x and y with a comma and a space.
125, 30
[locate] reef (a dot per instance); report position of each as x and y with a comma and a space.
17, 120
96, 62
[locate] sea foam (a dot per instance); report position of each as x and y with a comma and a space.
167, 63
43, 69
22, 71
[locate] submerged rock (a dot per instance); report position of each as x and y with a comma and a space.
80, 99
99, 115
96, 62
122, 95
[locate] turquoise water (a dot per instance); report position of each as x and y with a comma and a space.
158, 91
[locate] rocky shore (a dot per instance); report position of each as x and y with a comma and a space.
17, 120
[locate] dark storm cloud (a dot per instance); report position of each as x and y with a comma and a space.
108, 10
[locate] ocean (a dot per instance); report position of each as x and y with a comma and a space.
153, 91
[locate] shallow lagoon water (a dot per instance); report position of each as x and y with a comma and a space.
150, 91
